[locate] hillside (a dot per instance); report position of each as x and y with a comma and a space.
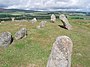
34, 50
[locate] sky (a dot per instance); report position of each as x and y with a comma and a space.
50, 5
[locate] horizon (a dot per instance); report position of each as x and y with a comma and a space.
45, 5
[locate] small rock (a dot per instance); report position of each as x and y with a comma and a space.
38, 27
79, 54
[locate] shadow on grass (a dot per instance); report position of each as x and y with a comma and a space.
11, 40
62, 27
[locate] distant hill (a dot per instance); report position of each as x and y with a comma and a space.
1, 9
28, 11
15, 10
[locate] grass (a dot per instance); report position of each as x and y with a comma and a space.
34, 50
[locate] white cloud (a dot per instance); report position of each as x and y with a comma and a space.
46, 4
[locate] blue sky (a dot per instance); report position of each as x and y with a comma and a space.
55, 5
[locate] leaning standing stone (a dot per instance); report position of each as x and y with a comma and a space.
65, 22
5, 39
53, 18
21, 33
61, 52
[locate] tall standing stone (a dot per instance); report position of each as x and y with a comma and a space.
21, 33
5, 39
65, 22
61, 52
53, 18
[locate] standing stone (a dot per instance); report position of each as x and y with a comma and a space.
61, 52
53, 18
42, 24
34, 20
65, 22
5, 39
21, 33
13, 19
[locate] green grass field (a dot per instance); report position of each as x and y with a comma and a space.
34, 50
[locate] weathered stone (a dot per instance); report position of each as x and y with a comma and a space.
34, 20
53, 18
21, 33
13, 19
41, 25
5, 39
61, 52
65, 22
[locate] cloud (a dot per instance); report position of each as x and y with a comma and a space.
46, 4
